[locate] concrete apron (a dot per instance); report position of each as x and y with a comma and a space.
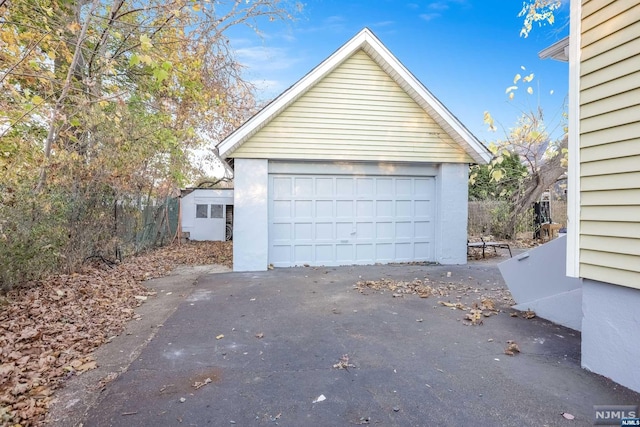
538, 282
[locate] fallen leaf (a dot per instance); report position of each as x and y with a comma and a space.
488, 304
343, 363
260, 335
219, 337
452, 305
568, 416
529, 314
512, 349
200, 384
474, 316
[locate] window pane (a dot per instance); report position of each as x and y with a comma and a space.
201, 211
216, 211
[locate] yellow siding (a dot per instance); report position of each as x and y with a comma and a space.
610, 142
357, 112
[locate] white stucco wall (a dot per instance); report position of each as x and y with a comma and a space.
250, 222
213, 229
453, 198
611, 332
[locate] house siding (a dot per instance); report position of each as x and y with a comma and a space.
357, 112
609, 146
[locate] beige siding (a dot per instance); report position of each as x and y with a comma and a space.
610, 142
357, 112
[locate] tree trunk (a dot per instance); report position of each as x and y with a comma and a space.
534, 185
57, 108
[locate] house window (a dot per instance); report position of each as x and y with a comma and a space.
216, 211
201, 211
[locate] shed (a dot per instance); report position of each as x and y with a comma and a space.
206, 213
356, 163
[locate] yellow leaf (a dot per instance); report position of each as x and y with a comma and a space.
489, 120
146, 59
511, 88
74, 27
516, 78
196, 7
530, 90
511, 95
145, 42
219, 337
496, 174
37, 100
528, 78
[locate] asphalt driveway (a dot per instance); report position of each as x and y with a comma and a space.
268, 348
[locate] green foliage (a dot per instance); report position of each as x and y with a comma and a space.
120, 93
498, 180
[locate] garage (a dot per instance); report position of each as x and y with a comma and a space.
356, 163
340, 219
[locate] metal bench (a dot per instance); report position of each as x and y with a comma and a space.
495, 245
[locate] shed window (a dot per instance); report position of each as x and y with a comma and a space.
216, 211
201, 211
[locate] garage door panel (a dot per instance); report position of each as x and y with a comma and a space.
344, 253
364, 231
303, 187
422, 251
324, 253
404, 230
324, 187
324, 209
384, 230
365, 252
344, 230
422, 229
422, 187
404, 252
422, 208
384, 187
280, 255
338, 220
282, 231
384, 208
403, 187
303, 209
403, 208
344, 187
282, 187
324, 231
364, 208
364, 187
303, 254
281, 209
344, 208
384, 252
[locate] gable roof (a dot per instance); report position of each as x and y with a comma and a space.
368, 42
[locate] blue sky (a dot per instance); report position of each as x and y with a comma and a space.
466, 52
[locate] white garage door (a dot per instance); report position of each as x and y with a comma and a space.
342, 220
